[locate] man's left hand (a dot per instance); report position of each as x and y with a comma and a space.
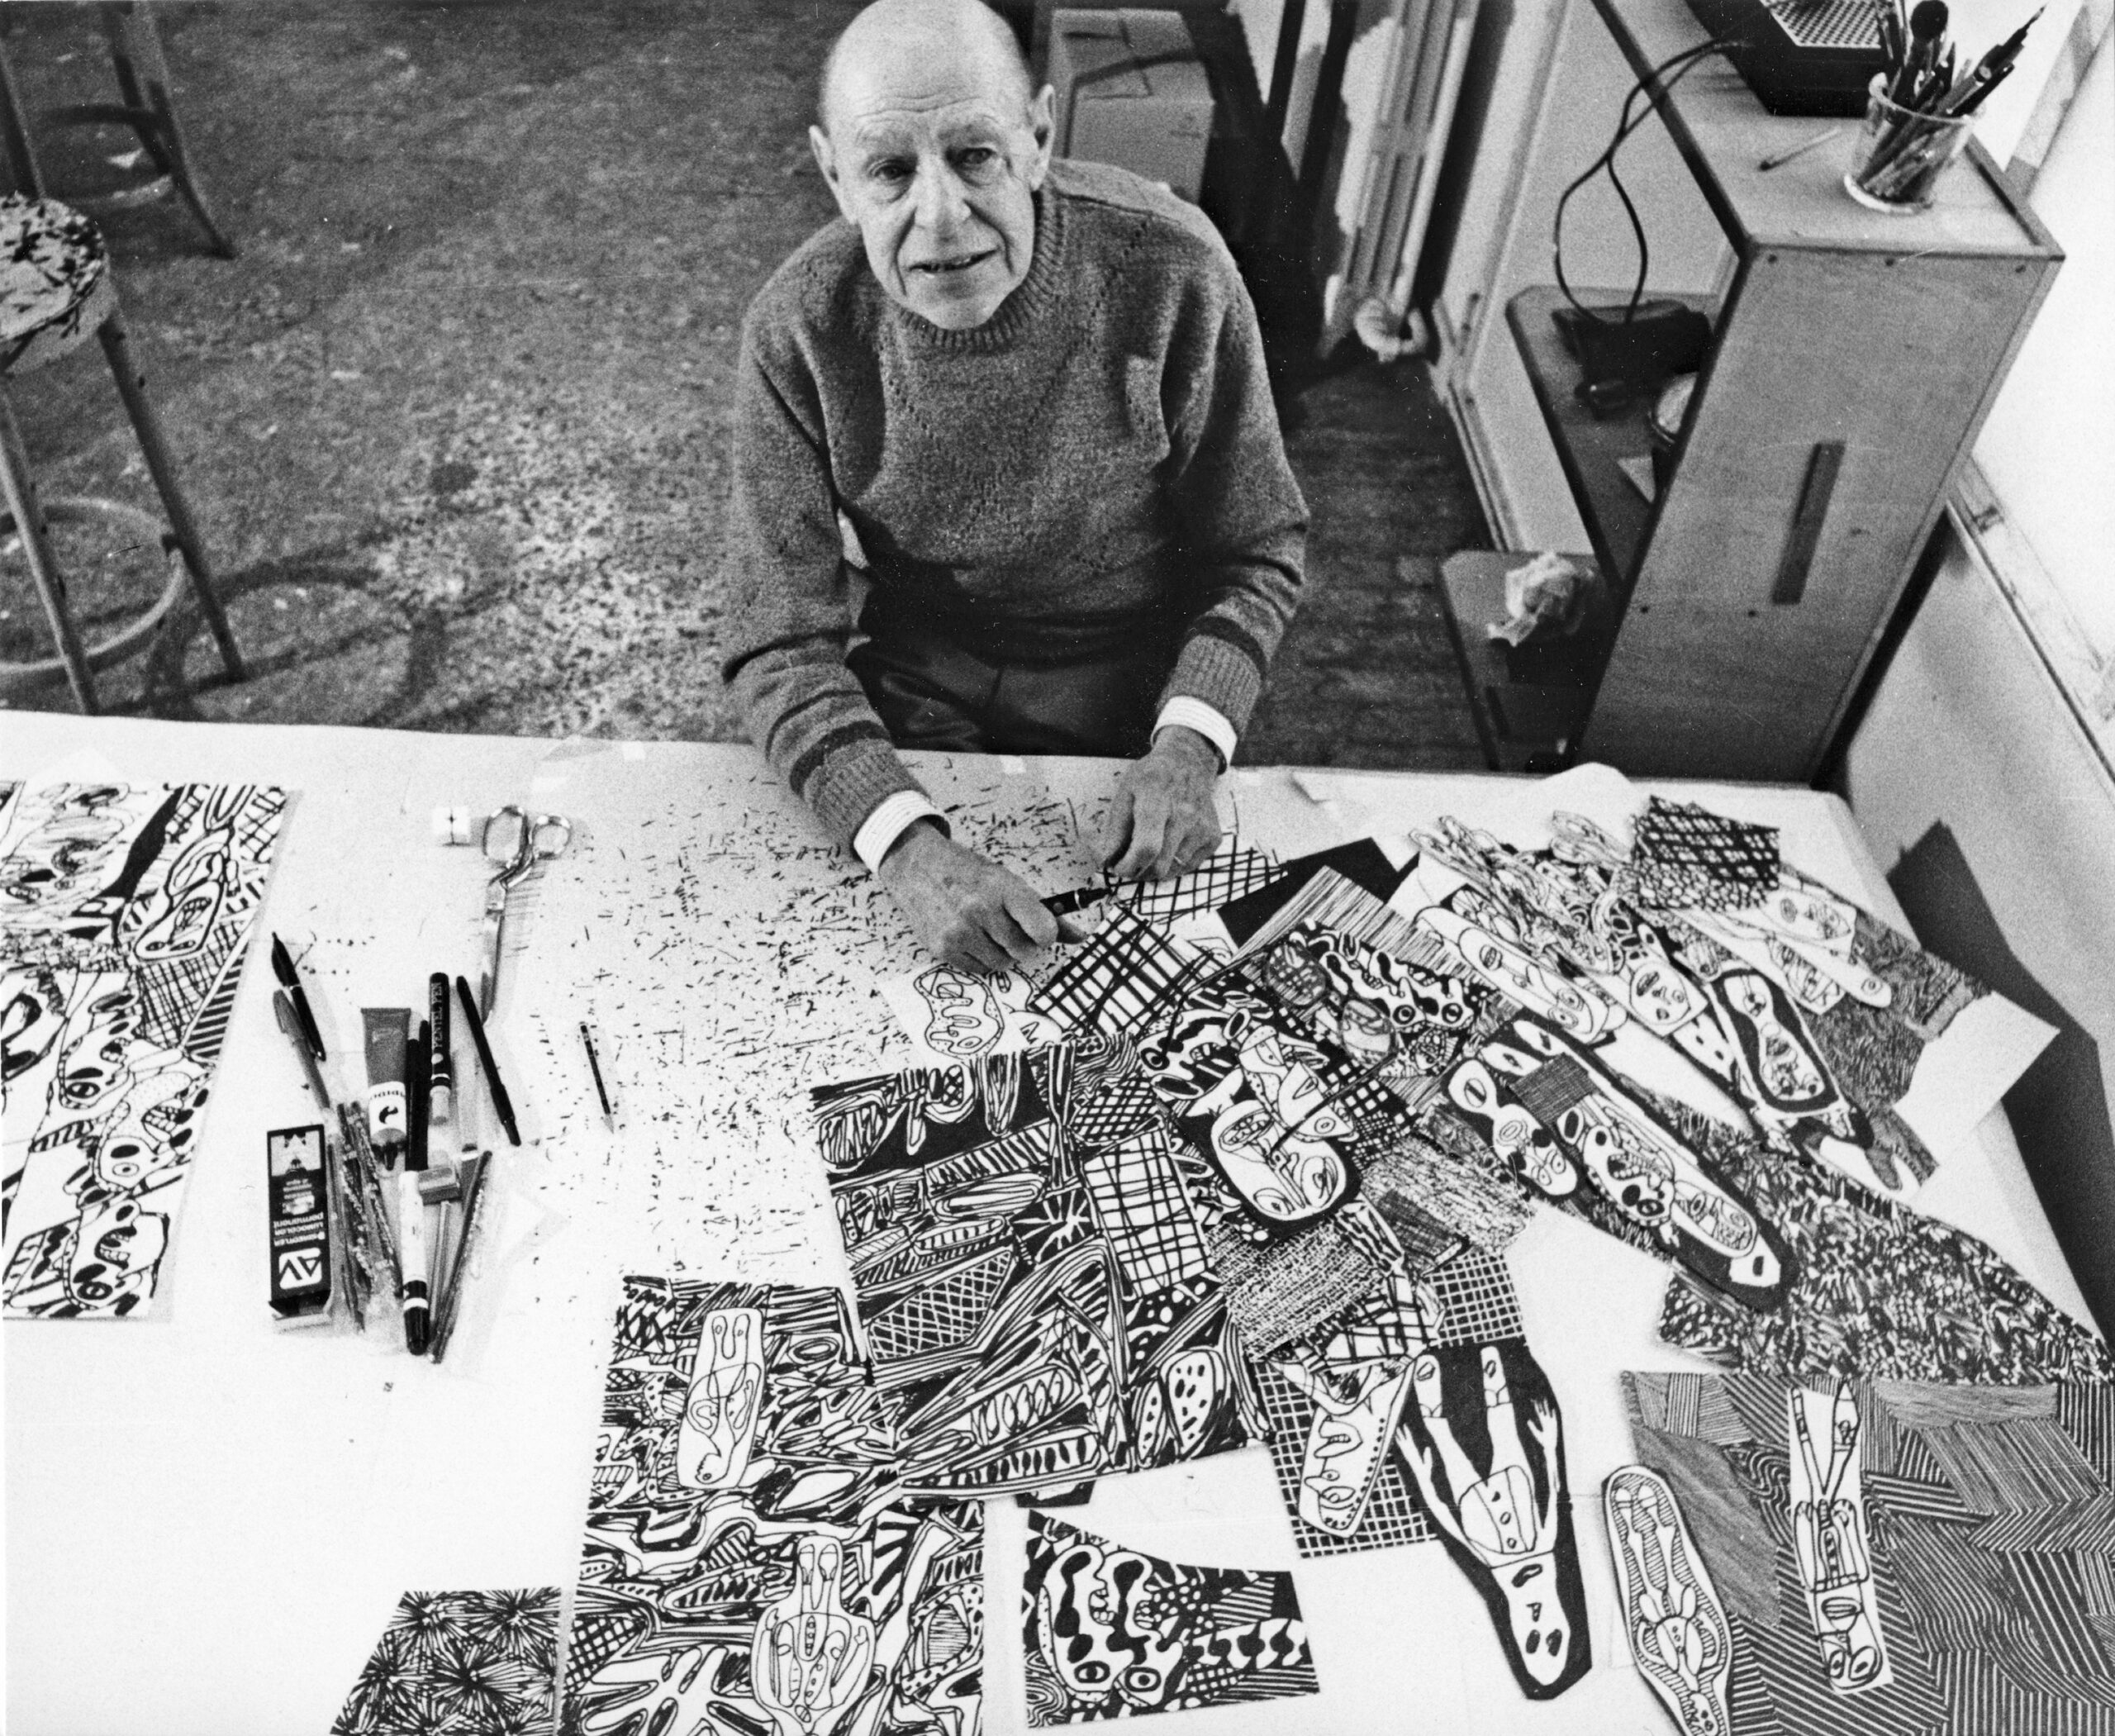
1164, 819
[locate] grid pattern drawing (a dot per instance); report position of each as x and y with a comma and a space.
1723, 863
1477, 1301
1232, 871
944, 1311
1138, 1199
1121, 978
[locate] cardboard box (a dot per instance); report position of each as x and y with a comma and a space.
1132, 91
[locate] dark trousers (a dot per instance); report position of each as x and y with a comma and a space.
931, 693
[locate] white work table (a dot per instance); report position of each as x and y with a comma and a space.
210, 1522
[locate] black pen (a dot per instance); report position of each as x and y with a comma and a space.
415, 1277
440, 1066
282, 968
502, 1104
595, 1067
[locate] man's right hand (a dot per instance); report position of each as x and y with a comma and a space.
970, 912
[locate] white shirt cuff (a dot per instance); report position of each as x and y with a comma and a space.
893, 816
1194, 714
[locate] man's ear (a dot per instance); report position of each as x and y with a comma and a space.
1042, 124
826, 161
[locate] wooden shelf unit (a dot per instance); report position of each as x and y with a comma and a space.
1854, 358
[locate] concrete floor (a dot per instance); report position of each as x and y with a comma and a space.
454, 421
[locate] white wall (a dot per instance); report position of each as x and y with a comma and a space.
1968, 732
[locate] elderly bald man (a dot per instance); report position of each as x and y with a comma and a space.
1007, 478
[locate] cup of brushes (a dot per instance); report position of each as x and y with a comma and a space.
1921, 111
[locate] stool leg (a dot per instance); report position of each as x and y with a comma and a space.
143, 78
21, 488
132, 387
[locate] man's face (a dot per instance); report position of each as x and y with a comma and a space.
938, 161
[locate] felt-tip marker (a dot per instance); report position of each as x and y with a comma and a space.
502, 1104
595, 1067
440, 1069
411, 1218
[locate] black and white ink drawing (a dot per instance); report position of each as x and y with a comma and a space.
1111, 1633
1831, 1542
1032, 1283
124, 912
1672, 1616
472, 1663
749, 1562
1485, 1445
951, 1014
1966, 1592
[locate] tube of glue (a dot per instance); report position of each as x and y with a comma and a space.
388, 1100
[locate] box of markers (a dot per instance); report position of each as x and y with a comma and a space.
298, 1209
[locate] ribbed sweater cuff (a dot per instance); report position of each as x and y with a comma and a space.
1224, 676
852, 782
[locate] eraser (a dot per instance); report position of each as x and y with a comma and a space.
456, 826
296, 1206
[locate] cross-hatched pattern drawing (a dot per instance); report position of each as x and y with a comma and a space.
1231, 872
944, 1311
1139, 1201
1120, 980
1477, 1301
1683, 851
1392, 1517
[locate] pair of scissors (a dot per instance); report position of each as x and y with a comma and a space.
515, 840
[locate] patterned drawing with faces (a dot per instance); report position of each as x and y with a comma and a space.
1261, 1102
1829, 1539
1113, 1633
719, 1416
1485, 1445
1639, 1180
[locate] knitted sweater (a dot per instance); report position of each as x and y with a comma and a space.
1099, 458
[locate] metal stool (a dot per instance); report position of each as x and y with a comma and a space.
147, 108
56, 291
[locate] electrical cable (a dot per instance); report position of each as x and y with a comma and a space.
1680, 65
1627, 124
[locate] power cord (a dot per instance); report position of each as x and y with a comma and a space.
1679, 65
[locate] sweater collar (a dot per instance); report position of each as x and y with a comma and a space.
1031, 300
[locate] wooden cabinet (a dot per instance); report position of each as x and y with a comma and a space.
1854, 357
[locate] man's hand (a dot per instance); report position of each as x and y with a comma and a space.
1164, 819
970, 912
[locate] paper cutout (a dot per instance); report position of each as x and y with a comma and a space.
1485, 1445
1622, 1167
1233, 871
124, 914
1362, 863
1117, 981
474, 1664
1111, 1633
1824, 1024
1276, 1114
1673, 1620
1347, 1446
951, 1014
751, 1562
1685, 854
1830, 1541
1990, 1585
1029, 1271
1467, 1299
1881, 1291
